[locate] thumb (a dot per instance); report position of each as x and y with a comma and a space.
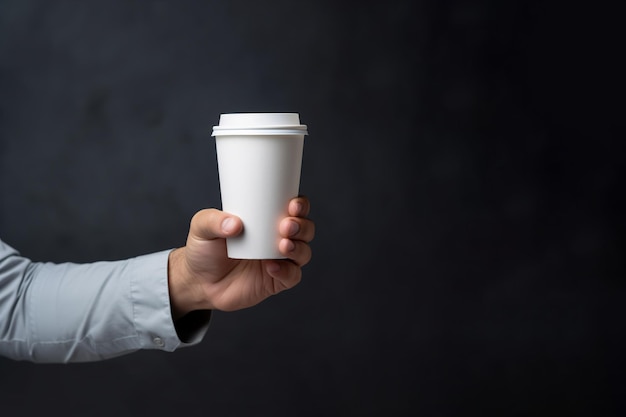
211, 224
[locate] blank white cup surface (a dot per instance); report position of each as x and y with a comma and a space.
259, 157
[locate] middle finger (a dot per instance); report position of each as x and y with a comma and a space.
297, 228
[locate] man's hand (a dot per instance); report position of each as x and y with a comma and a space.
202, 277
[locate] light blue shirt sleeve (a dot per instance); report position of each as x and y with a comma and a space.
61, 313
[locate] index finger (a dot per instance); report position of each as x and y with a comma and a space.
299, 206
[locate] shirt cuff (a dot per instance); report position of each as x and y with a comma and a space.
152, 315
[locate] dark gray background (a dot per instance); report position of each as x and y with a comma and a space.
465, 173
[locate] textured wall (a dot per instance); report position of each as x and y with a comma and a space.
463, 166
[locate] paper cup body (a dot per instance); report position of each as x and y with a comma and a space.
259, 173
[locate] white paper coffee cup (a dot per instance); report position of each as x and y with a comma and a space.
259, 158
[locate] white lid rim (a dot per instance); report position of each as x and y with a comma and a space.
291, 127
259, 132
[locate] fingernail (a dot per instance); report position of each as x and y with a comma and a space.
293, 228
299, 208
290, 246
228, 225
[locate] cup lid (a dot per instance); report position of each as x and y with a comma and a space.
259, 123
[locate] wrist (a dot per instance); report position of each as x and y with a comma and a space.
184, 296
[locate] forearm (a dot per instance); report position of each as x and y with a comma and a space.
88, 312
